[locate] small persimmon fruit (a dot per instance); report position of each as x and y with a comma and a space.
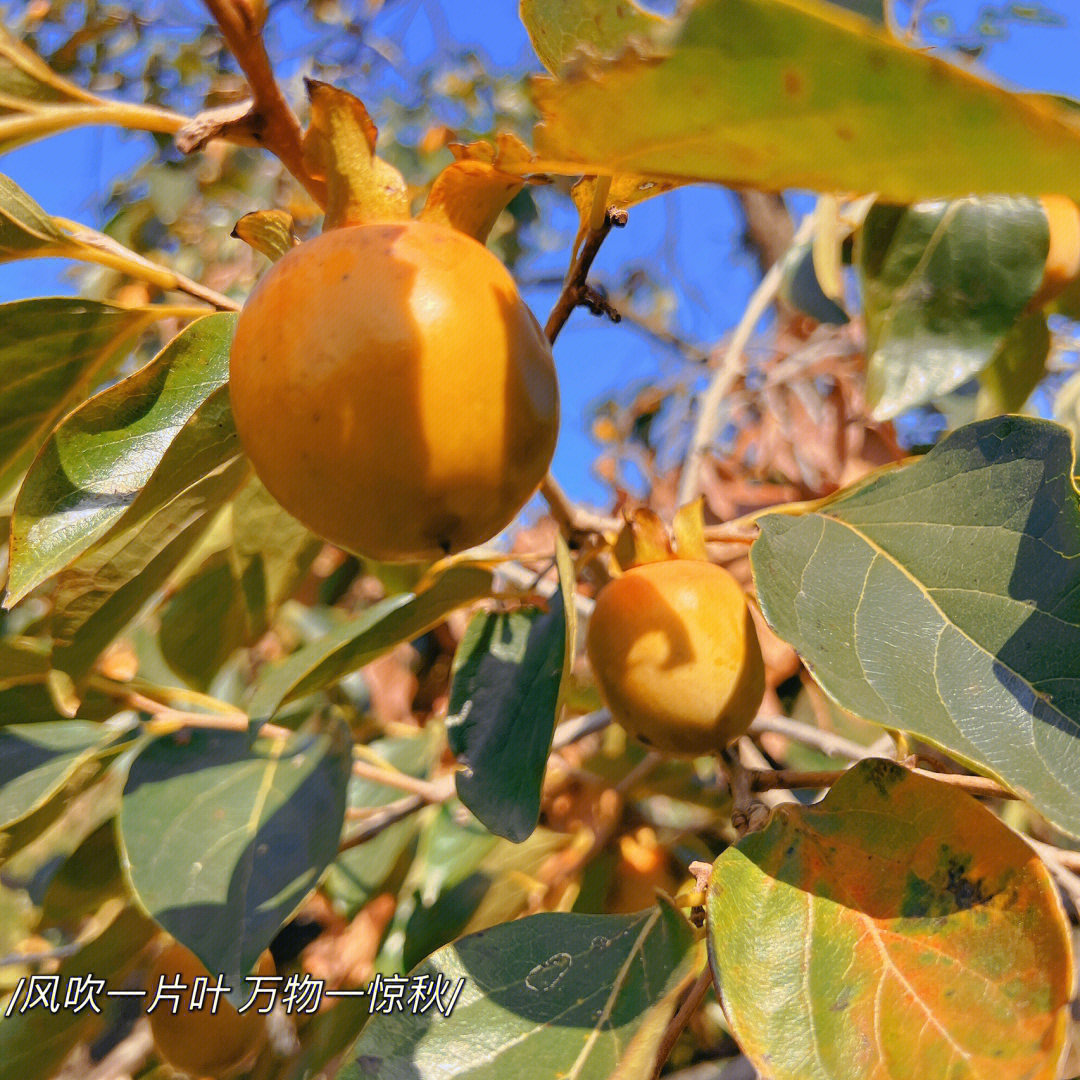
201, 1042
676, 657
393, 390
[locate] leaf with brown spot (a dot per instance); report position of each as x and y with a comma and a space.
896, 929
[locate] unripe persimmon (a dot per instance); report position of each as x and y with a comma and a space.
201, 1042
676, 657
393, 391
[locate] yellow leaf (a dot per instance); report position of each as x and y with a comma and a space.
339, 147
560, 28
778, 94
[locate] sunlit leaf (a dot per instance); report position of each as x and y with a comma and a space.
560, 28
549, 996
779, 94
52, 351
896, 929
25, 229
111, 582
224, 835
161, 427
360, 640
943, 284
942, 598
36, 759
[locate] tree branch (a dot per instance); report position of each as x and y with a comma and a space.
272, 122
575, 291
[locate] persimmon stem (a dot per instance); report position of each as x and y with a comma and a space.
273, 123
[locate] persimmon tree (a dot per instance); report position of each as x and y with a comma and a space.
222, 738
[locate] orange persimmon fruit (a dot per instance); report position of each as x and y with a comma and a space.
676, 657
393, 391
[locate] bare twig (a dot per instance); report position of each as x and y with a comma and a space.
427, 791
273, 123
571, 519
690, 1005
439, 791
728, 371
166, 718
825, 741
791, 779
574, 287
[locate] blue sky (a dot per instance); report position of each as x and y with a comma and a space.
689, 237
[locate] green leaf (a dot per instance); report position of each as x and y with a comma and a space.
905, 932
34, 1043
25, 229
780, 94
52, 351
37, 759
1016, 368
360, 640
504, 703
551, 995
159, 429
942, 598
239, 586
943, 284
108, 585
23, 660
224, 835
358, 874
560, 28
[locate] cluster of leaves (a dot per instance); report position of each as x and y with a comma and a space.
206, 715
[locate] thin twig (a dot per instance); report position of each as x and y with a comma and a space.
690, 1005
365, 770
573, 287
792, 779
728, 371
166, 718
570, 518
826, 741
439, 791
275, 125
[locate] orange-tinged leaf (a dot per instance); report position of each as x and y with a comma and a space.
895, 930
269, 232
339, 147
469, 195
799, 93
